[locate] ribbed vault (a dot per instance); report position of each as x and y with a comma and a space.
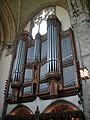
7, 23
10, 11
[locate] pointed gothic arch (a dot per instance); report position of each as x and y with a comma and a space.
7, 22
20, 110
63, 110
60, 106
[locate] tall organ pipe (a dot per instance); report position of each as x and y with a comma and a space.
17, 68
53, 28
37, 47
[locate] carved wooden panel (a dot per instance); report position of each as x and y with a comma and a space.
53, 87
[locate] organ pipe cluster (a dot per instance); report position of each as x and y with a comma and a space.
19, 60
53, 28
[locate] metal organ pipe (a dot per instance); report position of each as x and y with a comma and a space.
53, 28
37, 47
17, 68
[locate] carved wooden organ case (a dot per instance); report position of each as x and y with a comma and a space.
45, 67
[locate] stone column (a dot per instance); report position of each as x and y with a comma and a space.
80, 22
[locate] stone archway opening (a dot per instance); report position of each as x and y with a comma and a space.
60, 106
63, 110
21, 110
59, 110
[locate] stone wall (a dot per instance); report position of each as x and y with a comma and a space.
81, 27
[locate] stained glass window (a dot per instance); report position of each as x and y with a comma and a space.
40, 21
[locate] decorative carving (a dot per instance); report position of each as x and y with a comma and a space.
53, 20
53, 79
15, 84
69, 115
60, 85
15, 95
35, 76
53, 87
36, 71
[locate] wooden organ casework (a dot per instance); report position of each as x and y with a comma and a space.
36, 64
45, 66
53, 61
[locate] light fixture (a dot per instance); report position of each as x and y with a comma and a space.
84, 73
72, 118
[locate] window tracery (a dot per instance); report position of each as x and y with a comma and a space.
40, 21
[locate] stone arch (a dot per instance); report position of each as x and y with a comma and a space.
60, 106
7, 22
21, 110
39, 6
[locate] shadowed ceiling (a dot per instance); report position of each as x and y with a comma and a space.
15, 14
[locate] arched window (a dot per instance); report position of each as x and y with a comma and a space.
45, 62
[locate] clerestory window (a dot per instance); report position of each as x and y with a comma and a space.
44, 63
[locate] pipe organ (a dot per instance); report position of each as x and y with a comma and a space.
53, 64
19, 60
42, 65
17, 70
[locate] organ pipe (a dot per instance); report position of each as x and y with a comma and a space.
17, 68
37, 48
53, 29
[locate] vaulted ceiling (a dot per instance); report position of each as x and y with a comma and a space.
15, 14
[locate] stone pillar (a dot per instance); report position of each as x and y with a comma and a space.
81, 27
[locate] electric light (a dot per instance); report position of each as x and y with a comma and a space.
84, 73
